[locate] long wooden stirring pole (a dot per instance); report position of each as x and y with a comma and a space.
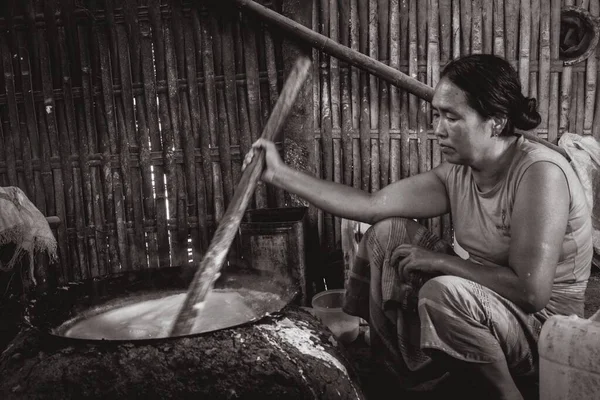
208, 271
353, 57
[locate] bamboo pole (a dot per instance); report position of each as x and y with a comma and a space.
326, 45
209, 269
594, 10
373, 66
535, 45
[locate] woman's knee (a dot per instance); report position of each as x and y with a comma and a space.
386, 228
446, 290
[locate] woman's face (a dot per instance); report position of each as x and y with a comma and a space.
463, 134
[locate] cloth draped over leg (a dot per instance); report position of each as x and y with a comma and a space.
24, 225
459, 317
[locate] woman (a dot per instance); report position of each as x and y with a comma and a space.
518, 211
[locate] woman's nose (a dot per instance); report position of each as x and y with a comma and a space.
437, 127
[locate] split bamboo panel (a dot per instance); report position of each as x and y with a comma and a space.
129, 121
393, 138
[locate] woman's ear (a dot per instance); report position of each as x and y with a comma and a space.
498, 125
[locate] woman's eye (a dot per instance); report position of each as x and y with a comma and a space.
451, 119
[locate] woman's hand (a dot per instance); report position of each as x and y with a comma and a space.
415, 259
273, 160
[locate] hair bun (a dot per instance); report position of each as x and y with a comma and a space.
527, 117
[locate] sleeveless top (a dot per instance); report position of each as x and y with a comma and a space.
481, 222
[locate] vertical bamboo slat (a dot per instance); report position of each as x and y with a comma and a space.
347, 129
591, 80
128, 140
365, 122
488, 25
49, 111
535, 37
456, 30
511, 17
107, 125
334, 70
69, 135
384, 98
422, 39
394, 109
28, 125
211, 113
565, 93
445, 14
524, 45
405, 57
544, 63
179, 236
477, 28
553, 108
253, 94
13, 114
499, 28
465, 25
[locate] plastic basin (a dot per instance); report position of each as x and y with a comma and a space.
327, 307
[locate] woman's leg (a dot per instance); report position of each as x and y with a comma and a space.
469, 328
374, 291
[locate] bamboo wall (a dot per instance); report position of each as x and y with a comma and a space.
128, 119
370, 133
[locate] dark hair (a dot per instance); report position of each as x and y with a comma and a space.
493, 89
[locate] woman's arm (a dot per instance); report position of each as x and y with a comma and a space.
420, 196
538, 226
